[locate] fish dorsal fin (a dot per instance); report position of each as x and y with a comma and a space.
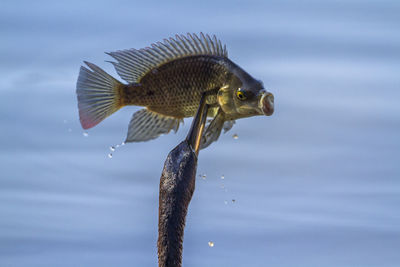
133, 64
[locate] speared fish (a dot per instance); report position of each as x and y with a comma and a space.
168, 79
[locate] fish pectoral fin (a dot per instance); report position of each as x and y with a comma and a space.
146, 125
213, 130
228, 125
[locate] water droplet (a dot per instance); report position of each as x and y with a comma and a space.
235, 136
233, 200
222, 186
85, 134
123, 143
222, 177
110, 156
210, 244
225, 202
204, 176
69, 130
112, 148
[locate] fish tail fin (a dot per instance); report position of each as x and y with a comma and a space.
98, 95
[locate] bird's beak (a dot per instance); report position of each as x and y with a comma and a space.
199, 121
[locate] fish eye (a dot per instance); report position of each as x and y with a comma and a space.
240, 95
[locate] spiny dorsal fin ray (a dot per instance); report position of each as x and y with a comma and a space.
133, 64
146, 125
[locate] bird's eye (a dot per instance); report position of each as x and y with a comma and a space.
240, 95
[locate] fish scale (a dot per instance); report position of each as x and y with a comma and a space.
176, 87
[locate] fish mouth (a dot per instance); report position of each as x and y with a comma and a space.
266, 103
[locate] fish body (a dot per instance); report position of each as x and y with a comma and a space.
175, 88
169, 79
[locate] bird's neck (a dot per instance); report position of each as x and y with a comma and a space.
176, 189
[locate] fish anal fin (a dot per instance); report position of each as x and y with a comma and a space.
146, 125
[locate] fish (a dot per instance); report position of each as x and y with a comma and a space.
168, 79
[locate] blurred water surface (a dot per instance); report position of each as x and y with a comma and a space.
316, 184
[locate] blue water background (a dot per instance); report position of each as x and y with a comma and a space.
316, 184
